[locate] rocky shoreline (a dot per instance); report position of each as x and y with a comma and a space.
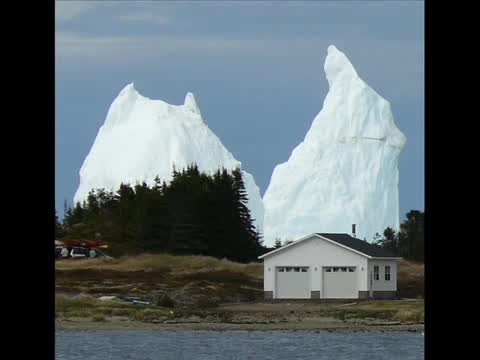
252, 325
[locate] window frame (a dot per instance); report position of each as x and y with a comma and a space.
376, 274
388, 273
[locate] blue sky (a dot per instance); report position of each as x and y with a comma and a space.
256, 69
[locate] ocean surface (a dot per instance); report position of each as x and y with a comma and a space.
232, 345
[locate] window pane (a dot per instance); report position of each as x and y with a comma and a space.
297, 269
351, 269
281, 269
304, 269
335, 269
328, 270
289, 269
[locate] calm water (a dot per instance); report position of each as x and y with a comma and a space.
230, 345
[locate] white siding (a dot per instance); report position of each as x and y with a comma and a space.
381, 284
315, 253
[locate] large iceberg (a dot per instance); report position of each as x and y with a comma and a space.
346, 169
142, 138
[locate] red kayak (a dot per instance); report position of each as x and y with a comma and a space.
85, 243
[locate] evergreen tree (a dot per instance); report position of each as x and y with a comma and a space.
278, 243
414, 229
409, 241
195, 213
58, 227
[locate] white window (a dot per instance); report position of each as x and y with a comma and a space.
376, 274
387, 273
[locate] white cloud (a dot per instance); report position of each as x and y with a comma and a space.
144, 17
376, 60
66, 10
73, 48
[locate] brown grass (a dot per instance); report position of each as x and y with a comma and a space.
190, 281
411, 276
162, 263
398, 310
196, 281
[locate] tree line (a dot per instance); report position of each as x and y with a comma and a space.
195, 214
409, 241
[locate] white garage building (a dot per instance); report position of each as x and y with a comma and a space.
330, 266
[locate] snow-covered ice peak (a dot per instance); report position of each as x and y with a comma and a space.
352, 110
190, 103
142, 138
338, 68
345, 171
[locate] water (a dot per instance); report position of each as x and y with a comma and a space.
233, 345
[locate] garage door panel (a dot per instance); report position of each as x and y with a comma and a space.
292, 282
340, 283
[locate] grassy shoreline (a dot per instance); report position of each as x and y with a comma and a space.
203, 293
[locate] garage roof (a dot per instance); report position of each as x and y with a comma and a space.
345, 240
359, 245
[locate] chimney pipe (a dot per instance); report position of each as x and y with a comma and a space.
353, 230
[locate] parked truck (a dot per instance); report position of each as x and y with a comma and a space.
79, 249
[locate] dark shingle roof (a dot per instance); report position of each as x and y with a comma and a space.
359, 245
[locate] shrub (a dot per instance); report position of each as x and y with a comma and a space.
98, 318
166, 301
123, 312
410, 316
149, 315
206, 302
77, 313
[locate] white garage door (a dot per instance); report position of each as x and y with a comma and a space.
340, 283
293, 282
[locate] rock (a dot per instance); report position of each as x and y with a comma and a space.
379, 323
139, 302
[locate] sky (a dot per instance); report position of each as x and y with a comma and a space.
255, 67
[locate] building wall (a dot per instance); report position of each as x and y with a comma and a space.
381, 284
315, 253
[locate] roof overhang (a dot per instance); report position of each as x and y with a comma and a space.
287, 246
330, 241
